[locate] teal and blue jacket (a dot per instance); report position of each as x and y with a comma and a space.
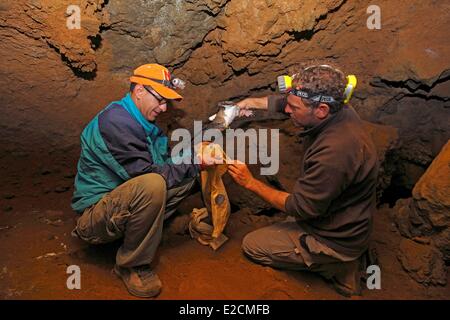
117, 145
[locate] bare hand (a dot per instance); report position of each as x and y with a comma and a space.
240, 173
244, 106
209, 154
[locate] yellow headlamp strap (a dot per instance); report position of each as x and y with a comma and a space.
350, 87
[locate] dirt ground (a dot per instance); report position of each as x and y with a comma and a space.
36, 249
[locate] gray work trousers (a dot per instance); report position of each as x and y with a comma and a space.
134, 211
279, 246
286, 245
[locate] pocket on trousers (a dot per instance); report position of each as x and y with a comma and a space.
117, 223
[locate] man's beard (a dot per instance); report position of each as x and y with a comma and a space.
301, 125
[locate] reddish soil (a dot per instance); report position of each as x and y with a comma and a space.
41, 221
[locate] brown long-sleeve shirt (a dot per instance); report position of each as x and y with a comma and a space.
334, 197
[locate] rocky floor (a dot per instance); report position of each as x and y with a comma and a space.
36, 249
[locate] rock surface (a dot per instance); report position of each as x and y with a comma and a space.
427, 213
423, 263
225, 49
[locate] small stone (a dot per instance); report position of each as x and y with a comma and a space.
56, 223
45, 172
422, 240
61, 189
47, 255
7, 209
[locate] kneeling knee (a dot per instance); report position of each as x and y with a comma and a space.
152, 185
251, 245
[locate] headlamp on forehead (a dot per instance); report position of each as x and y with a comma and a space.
177, 83
285, 86
174, 83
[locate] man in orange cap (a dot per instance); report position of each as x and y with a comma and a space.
126, 184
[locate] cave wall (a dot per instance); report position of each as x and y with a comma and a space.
53, 80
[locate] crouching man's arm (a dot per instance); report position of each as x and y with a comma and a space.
272, 103
254, 103
242, 175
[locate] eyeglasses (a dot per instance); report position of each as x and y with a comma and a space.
161, 101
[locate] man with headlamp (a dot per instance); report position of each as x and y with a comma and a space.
331, 206
126, 183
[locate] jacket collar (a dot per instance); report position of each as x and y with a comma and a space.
150, 128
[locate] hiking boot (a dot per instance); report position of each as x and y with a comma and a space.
347, 281
140, 281
344, 276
